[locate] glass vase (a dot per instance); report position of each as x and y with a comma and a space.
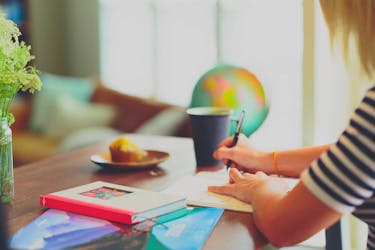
6, 162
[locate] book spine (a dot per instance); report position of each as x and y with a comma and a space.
86, 208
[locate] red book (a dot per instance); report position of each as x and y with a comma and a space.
113, 202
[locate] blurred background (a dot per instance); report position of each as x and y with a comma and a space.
159, 49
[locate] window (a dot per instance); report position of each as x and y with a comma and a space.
160, 48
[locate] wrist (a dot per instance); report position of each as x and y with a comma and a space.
265, 162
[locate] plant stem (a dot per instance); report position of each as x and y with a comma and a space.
6, 178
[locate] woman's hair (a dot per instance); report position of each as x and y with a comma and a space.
347, 19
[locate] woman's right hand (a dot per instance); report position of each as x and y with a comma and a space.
244, 157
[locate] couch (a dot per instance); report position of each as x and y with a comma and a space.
124, 114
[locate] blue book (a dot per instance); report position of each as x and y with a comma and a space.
56, 229
189, 232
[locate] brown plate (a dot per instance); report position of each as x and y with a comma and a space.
152, 159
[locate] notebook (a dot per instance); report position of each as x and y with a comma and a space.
195, 189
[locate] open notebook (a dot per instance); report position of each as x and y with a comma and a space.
195, 189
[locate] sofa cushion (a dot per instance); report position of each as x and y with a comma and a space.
54, 86
132, 111
71, 115
166, 122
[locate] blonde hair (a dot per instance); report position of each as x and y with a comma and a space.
347, 19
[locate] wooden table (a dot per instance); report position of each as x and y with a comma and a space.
234, 230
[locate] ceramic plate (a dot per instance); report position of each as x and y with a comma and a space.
152, 159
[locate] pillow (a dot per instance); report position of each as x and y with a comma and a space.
54, 86
71, 115
166, 122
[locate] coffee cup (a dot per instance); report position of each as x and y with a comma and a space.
210, 125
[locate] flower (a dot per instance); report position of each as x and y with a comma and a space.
16, 73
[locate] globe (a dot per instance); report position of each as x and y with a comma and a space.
236, 88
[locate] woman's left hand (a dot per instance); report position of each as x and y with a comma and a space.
246, 185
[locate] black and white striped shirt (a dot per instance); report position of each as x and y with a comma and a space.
344, 176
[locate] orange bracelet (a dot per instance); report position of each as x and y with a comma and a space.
275, 163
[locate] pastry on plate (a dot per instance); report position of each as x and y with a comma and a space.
124, 150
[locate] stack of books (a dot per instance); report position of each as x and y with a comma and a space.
148, 220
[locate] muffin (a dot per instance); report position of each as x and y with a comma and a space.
123, 150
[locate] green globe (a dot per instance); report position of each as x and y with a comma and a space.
236, 88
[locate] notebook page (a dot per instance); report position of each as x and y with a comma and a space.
195, 189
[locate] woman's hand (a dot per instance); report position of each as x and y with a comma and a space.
244, 157
246, 186
272, 203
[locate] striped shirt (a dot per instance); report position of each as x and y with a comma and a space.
344, 176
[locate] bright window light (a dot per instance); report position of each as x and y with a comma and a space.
160, 48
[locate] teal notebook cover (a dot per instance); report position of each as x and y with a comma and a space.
189, 232
56, 229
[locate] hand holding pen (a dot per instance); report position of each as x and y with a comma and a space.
236, 135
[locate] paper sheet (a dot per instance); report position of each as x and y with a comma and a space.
195, 189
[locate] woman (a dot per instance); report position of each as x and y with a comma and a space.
335, 179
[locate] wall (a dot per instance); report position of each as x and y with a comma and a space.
65, 36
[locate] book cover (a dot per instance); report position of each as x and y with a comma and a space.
113, 202
188, 232
186, 228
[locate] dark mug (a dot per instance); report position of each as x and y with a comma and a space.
210, 125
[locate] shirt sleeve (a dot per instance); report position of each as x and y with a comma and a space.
344, 176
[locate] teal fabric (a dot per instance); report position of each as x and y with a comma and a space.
44, 101
70, 115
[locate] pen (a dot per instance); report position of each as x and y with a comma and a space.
236, 135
